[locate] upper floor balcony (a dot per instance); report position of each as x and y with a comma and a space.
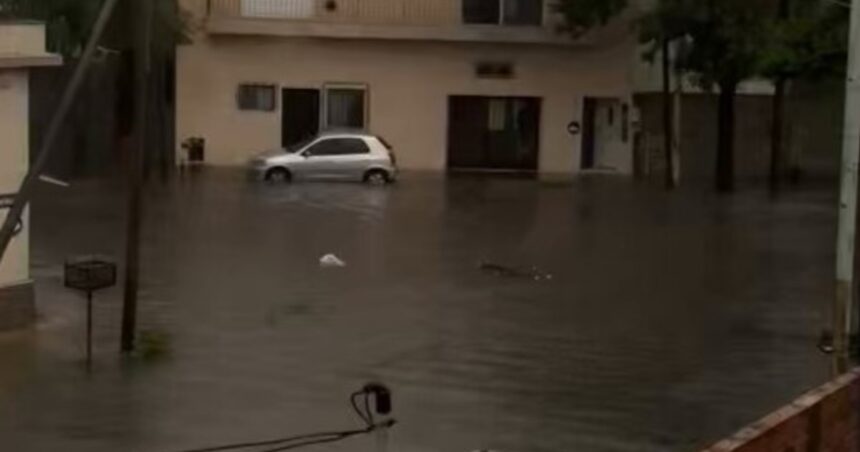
510, 21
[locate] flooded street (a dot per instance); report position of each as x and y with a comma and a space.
670, 320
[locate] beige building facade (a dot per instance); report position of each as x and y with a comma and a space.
451, 84
22, 46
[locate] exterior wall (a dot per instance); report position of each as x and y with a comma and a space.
699, 137
22, 46
813, 135
826, 420
22, 39
16, 293
439, 20
408, 85
13, 165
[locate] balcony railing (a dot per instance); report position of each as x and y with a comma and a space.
500, 21
360, 12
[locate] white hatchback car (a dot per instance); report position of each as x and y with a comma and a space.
332, 155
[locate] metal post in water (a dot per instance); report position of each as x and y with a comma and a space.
382, 440
843, 308
89, 330
134, 207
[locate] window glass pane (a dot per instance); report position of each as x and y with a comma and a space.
326, 147
345, 108
497, 115
282, 9
481, 11
523, 12
256, 97
354, 146
340, 146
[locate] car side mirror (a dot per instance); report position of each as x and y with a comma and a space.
305, 154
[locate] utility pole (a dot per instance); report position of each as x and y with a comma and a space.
143, 28
668, 126
843, 312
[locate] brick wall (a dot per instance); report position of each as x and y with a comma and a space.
826, 419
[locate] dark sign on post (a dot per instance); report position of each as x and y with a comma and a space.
89, 274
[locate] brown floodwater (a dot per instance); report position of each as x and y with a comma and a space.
670, 320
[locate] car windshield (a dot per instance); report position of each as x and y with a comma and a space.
293, 148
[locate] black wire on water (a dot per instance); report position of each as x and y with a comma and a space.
312, 438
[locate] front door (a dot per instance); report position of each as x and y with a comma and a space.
300, 119
603, 137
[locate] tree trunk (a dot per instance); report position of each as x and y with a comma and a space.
777, 136
777, 143
677, 106
667, 118
725, 176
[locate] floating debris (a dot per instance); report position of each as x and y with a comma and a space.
505, 271
331, 261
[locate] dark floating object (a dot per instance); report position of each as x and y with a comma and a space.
505, 271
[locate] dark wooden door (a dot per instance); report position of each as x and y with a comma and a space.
300, 118
589, 111
493, 133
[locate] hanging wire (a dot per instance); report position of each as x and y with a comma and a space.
293, 442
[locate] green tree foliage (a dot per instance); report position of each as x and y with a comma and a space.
808, 41
68, 22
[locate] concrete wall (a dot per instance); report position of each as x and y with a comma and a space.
22, 46
22, 39
826, 419
409, 84
16, 293
813, 136
14, 268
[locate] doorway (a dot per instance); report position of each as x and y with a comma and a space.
605, 134
300, 116
493, 133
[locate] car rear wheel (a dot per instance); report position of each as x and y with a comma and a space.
279, 175
376, 177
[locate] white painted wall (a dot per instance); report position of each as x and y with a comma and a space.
409, 84
14, 114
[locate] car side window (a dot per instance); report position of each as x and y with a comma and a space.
339, 146
354, 146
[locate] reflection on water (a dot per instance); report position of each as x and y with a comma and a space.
670, 320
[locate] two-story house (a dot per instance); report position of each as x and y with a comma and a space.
451, 84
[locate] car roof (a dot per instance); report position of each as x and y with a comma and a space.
353, 133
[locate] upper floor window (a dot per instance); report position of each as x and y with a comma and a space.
278, 9
503, 12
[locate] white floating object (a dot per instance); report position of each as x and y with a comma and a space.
331, 261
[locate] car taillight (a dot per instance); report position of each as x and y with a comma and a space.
390, 150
